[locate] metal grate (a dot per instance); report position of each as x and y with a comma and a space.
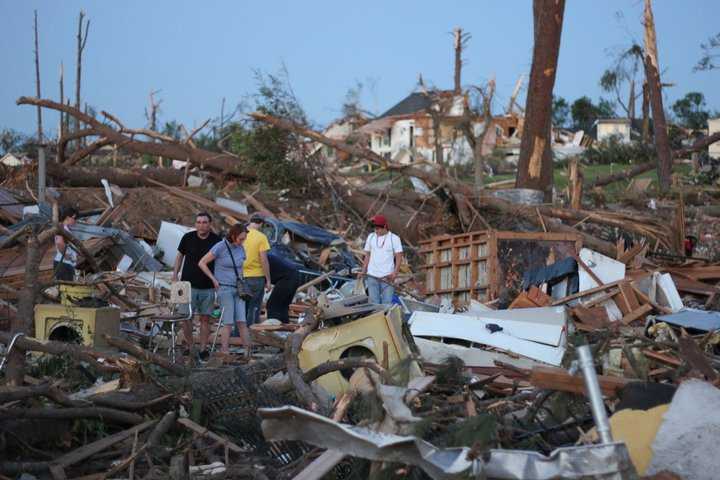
230, 398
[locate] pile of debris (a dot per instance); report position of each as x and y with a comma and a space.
481, 367
526, 340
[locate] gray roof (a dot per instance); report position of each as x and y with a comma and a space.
413, 103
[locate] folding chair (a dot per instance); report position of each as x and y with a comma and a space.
180, 296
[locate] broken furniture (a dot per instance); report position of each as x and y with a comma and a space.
489, 265
180, 311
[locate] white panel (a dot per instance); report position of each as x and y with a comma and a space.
168, 240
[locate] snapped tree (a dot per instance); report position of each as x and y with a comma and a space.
652, 75
535, 167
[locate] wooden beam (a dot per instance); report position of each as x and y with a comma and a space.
637, 313
558, 379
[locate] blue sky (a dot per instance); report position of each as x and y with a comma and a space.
196, 52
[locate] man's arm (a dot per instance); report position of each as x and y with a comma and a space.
366, 262
176, 268
266, 269
398, 262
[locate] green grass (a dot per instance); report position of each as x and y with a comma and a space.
611, 191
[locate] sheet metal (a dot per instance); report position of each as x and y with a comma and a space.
607, 462
692, 318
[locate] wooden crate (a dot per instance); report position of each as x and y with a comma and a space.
488, 265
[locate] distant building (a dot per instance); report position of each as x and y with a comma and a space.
15, 160
407, 132
604, 128
714, 127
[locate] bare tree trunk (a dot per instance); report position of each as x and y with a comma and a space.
631, 102
652, 73
576, 184
37, 83
645, 113
478, 147
535, 167
81, 41
61, 128
26, 308
458, 60
222, 117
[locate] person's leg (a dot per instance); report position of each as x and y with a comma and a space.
243, 323
227, 302
278, 304
204, 331
387, 293
186, 334
254, 304
203, 308
225, 339
373, 289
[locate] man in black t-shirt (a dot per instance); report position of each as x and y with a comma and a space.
193, 246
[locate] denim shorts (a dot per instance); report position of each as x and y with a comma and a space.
202, 301
233, 308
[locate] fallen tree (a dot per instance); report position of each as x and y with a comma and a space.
162, 146
439, 180
78, 176
641, 168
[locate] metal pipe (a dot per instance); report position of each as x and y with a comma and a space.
594, 393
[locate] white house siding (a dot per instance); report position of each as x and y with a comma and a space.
620, 129
714, 127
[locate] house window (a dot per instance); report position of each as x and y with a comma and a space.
386, 138
412, 136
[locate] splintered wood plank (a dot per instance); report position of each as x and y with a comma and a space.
558, 379
690, 351
629, 295
595, 318
637, 313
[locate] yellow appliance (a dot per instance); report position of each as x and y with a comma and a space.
68, 323
71, 293
364, 337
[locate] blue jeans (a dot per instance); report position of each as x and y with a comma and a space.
378, 291
254, 305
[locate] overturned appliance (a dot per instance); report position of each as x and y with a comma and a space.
378, 336
519, 337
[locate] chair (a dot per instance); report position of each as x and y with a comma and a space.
179, 296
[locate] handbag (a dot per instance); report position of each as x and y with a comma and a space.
243, 289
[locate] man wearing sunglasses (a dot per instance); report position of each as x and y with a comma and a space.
383, 257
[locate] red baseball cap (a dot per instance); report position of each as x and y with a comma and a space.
379, 221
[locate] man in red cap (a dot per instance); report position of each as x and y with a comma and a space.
383, 256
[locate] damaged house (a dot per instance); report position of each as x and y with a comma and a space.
430, 126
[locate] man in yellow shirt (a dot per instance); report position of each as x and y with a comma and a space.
256, 268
